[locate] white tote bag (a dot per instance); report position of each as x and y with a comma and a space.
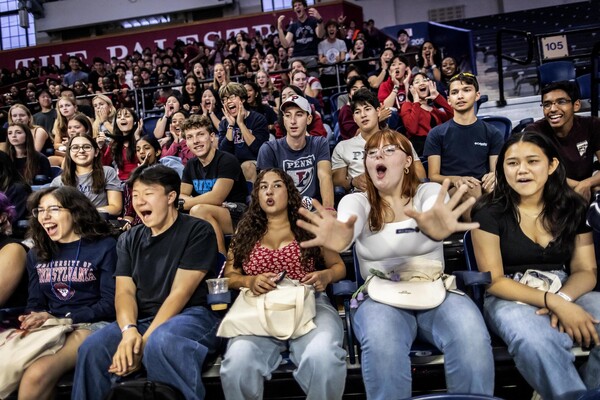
283, 313
19, 349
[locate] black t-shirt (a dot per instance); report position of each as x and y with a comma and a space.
42, 169
223, 165
19, 296
45, 119
152, 261
17, 193
519, 252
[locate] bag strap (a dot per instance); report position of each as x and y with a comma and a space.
299, 310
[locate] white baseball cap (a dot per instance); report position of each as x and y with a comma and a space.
298, 101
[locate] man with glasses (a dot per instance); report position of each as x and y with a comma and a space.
464, 149
577, 138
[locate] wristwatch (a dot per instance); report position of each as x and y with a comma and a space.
320, 21
396, 88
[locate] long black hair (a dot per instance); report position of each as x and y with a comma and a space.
120, 138
87, 222
563, 209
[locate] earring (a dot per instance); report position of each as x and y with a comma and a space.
406, 171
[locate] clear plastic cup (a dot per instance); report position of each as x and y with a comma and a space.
218, 285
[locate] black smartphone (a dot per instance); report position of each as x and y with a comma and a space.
280, 276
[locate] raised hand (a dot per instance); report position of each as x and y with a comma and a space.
433, 92
441, 220
280, 21
328, 231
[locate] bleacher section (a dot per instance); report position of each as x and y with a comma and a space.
578, 21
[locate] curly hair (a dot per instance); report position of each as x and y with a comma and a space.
121, 137
87, 222
253, 225
563, 208
7, 215
69, 175
380, 208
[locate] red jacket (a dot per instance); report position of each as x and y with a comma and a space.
417, 121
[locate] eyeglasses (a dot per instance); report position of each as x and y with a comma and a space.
386, 151
52, 210
225, 99
85, 147
546, 105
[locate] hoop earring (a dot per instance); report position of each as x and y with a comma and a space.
406, 171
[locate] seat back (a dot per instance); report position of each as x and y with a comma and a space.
150, 124
585, 86
477, 291
502, 123
449, 396
333, 101
556, 71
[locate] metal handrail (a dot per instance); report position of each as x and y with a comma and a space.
500, 56
595, 78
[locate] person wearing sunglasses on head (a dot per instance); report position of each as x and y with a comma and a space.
464, 149
576, 137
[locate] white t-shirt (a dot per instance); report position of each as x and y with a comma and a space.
387, 249
350, 153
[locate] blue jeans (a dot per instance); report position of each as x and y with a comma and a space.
542, 354
456, 327
173, 354
319, 356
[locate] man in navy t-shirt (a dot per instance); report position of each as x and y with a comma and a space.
304, 35
464, 149
305, 158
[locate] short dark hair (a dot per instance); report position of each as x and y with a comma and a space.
42, 91
355, 79
333, 22
157, 174
569, 87
401, 31
299, 1
364, 96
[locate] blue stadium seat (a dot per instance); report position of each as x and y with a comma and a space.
502, 123
556, 71
448, 396
150, 124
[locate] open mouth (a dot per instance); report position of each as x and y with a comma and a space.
380, 170
270, 202
555, 118
524, 180
51, 229
145, 214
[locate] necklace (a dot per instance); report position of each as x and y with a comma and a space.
59, 293
529, 215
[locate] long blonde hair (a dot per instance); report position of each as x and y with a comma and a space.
60, 124
215, 84
112, 112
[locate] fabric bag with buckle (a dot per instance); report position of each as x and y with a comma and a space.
283, 313
19, 349
418, 285
542, 280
